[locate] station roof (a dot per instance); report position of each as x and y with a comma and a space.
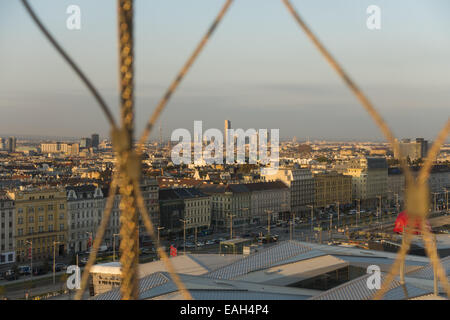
268, 273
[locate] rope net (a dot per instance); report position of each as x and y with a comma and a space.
126, 178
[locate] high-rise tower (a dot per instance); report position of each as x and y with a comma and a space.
227, 126
95, 140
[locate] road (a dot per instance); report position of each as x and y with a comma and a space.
304, 232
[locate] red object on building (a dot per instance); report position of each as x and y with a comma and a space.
173, 251
89, 242
402, 221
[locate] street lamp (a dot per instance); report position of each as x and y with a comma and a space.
358, 213
330, 236
244, 216
268, 212
184, 233
231, 216
434, 207
381, 209
30, 242
293, 226
159, 228
114, 245
312, 215
446, 199
397, 203
338, 205
195, 237
54, 259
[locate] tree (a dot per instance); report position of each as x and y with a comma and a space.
323, 159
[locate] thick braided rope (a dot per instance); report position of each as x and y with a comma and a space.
359, 94
129, 244
162, 254
433, 152
415, 188
430, 247
395, 269
99, 236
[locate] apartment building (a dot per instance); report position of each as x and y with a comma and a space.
301, 185
59, 147
40, 223
413, 150
7, 253
197, 209
187, 204
230, 204
150, 193
331, 188
85, 207
149, 189
269, 200
369, 179
395, 185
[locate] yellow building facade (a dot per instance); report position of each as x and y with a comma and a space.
40, 221
332, 187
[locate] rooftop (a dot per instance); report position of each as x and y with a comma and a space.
271, 272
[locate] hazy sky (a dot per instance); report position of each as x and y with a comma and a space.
259, 70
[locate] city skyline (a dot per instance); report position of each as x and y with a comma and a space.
297, 93
298, 159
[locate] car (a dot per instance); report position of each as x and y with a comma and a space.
200, 243
10, 275
210, 242
24, 270
60, 267
190, 245
146, 251
102, 248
